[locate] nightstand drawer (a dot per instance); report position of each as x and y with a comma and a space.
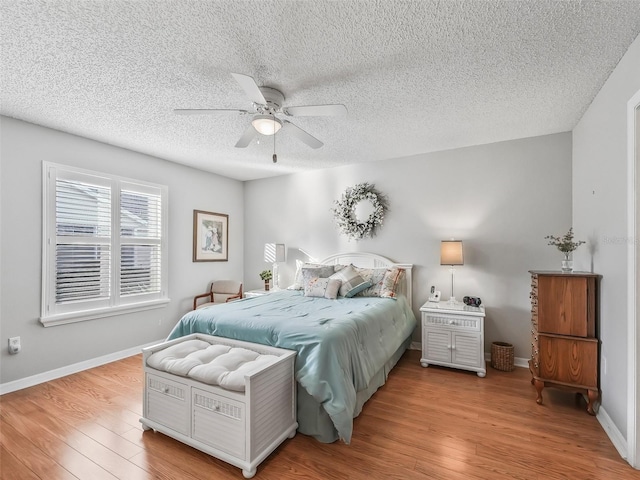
450, 321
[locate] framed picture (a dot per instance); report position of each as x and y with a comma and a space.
210, 236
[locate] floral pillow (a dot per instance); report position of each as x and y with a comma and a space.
384, 282
373, 276
322, 287
298, 281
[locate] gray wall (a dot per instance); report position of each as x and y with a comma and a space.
500, 199
24, 147
600, 216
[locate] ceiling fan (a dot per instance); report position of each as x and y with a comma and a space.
267, 105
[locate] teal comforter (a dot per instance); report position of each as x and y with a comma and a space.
341, 343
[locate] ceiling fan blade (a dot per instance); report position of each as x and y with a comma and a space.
250, 87
296, 131
248, 135
316, 110
206, 111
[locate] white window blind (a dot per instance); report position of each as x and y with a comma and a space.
140, 242
104, 249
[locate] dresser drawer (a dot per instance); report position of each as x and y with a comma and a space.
168, 403
449, 321
219, 422
569, 360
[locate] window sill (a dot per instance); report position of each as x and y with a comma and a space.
64, 318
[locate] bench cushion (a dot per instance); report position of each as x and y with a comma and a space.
212, 364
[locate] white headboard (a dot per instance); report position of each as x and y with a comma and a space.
371, 260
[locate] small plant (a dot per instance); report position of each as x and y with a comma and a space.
266, 275
565, 244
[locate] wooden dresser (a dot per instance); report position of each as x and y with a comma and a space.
564, 340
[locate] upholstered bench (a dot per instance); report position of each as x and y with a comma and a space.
231, 399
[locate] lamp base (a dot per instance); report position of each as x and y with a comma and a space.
452, 300
275, 277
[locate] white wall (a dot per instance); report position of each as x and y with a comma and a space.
600, 215
24, 147
500, 199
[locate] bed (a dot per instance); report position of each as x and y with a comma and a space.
345, 347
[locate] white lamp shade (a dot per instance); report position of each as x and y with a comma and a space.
274, 252
266, 124
451, 252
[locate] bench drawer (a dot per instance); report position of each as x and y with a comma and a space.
168, 403
219, 422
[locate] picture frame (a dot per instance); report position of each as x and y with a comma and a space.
210, 236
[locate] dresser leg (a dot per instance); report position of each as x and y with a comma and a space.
531, 371
593, 398
539, 386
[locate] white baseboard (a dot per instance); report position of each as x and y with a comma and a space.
69, 369
612, 432
517, 361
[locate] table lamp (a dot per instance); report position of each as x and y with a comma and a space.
274, 253
451, 254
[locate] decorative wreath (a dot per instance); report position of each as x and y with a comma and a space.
345, 215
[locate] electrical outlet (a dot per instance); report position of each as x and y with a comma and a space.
14, 345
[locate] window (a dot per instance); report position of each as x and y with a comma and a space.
104, 245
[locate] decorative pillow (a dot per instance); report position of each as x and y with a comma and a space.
391, 282
333, 287
310, 272
322, 287
297, 279
384, 282
373, 276
352, 282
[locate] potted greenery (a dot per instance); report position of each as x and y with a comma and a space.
566, 245
266, 276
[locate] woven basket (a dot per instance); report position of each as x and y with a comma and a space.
502, 356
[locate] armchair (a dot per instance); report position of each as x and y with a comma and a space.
220, 291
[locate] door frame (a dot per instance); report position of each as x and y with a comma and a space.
633, 253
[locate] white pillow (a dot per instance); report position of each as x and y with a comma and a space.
322, 287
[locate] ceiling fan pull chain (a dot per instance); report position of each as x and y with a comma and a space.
275, 157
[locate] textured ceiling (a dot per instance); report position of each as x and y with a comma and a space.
416, 76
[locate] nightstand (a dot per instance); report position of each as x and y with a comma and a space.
257, 293
453, 336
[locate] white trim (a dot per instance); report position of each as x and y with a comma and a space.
72, 317
633, 344
70, 369
517, 361
53, 313
612, 431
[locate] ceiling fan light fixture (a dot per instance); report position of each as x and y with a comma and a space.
266, 124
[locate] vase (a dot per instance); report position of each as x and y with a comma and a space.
567, 263
266, 285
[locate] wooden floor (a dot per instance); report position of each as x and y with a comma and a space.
425, 423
